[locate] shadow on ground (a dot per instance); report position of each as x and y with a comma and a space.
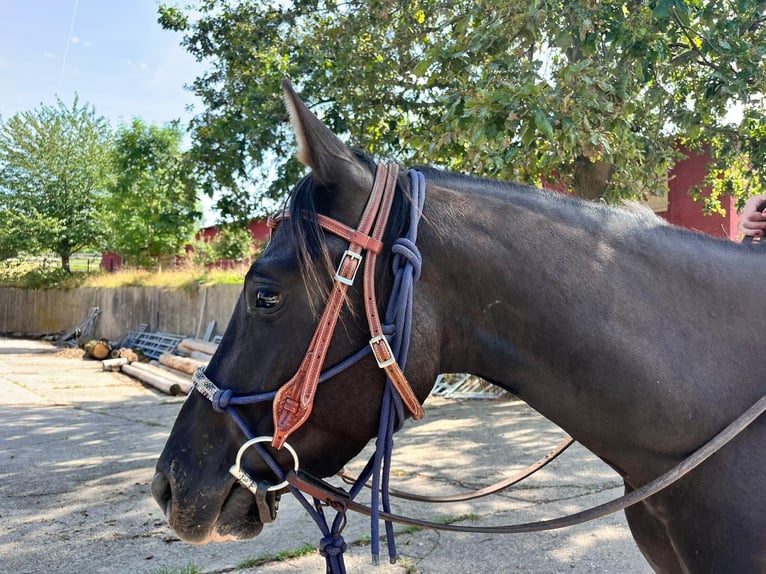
77, 454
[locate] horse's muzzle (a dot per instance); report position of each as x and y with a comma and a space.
236, 516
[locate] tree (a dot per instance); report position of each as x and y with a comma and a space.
153, 207
53, 171
233, 243
600, 95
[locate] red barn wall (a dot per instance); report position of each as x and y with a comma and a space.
685, 212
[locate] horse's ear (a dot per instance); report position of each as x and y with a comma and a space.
330, 160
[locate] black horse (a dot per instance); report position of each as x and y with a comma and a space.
638, 338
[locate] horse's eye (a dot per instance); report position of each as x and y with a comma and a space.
267, 299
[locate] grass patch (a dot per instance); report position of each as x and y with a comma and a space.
186, 277
188, 569
460, 518
305, 550
182, 278
409, 566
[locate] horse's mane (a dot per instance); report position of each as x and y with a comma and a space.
629, 221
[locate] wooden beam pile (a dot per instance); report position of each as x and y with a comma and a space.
171, 372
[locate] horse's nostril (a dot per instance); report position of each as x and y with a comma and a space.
161, 491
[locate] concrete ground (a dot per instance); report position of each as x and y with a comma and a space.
77, 454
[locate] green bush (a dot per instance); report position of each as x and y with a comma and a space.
233, 243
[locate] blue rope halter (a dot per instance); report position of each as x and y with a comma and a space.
406, 263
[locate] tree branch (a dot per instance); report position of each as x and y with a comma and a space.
702, 58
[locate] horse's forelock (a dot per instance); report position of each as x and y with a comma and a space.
308, 239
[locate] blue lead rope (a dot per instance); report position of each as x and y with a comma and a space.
406, 265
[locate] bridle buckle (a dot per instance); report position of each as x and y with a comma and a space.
382, 351
356, 261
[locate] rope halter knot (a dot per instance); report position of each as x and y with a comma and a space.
220, 400
332, 545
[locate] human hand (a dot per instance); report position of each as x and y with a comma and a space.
753, 219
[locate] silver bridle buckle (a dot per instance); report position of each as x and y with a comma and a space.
355, 256
387, 357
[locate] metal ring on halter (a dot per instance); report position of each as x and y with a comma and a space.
244, 479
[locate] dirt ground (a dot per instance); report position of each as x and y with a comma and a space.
77, 454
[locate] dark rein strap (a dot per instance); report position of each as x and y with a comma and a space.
349, 478
340, 500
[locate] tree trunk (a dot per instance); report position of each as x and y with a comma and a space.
591, 178
65, 263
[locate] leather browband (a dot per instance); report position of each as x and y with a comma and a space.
335, 227
295, 399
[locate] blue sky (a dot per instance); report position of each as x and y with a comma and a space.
112, 53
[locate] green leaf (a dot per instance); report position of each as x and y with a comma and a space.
421, 81
543, 124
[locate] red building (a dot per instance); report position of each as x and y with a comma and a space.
258, 229
680, 208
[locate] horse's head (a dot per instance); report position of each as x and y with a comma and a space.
264, 346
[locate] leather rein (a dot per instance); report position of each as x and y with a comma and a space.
293, 403
300, 390
339, 499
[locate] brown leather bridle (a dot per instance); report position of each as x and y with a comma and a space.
295, 399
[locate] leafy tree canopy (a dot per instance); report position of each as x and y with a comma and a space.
153, 208
601, 95
53, 171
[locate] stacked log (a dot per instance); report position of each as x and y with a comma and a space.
188, 346
98, 349
125, 353
162, 380
171, 373
114, 364
184, 364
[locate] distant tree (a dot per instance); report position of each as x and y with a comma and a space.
53, 172
233, 243
14, 238
153, 207
599, 95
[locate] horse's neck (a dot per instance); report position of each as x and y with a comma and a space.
581, 323
518, 280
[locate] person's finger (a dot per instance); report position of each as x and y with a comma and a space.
750, 227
